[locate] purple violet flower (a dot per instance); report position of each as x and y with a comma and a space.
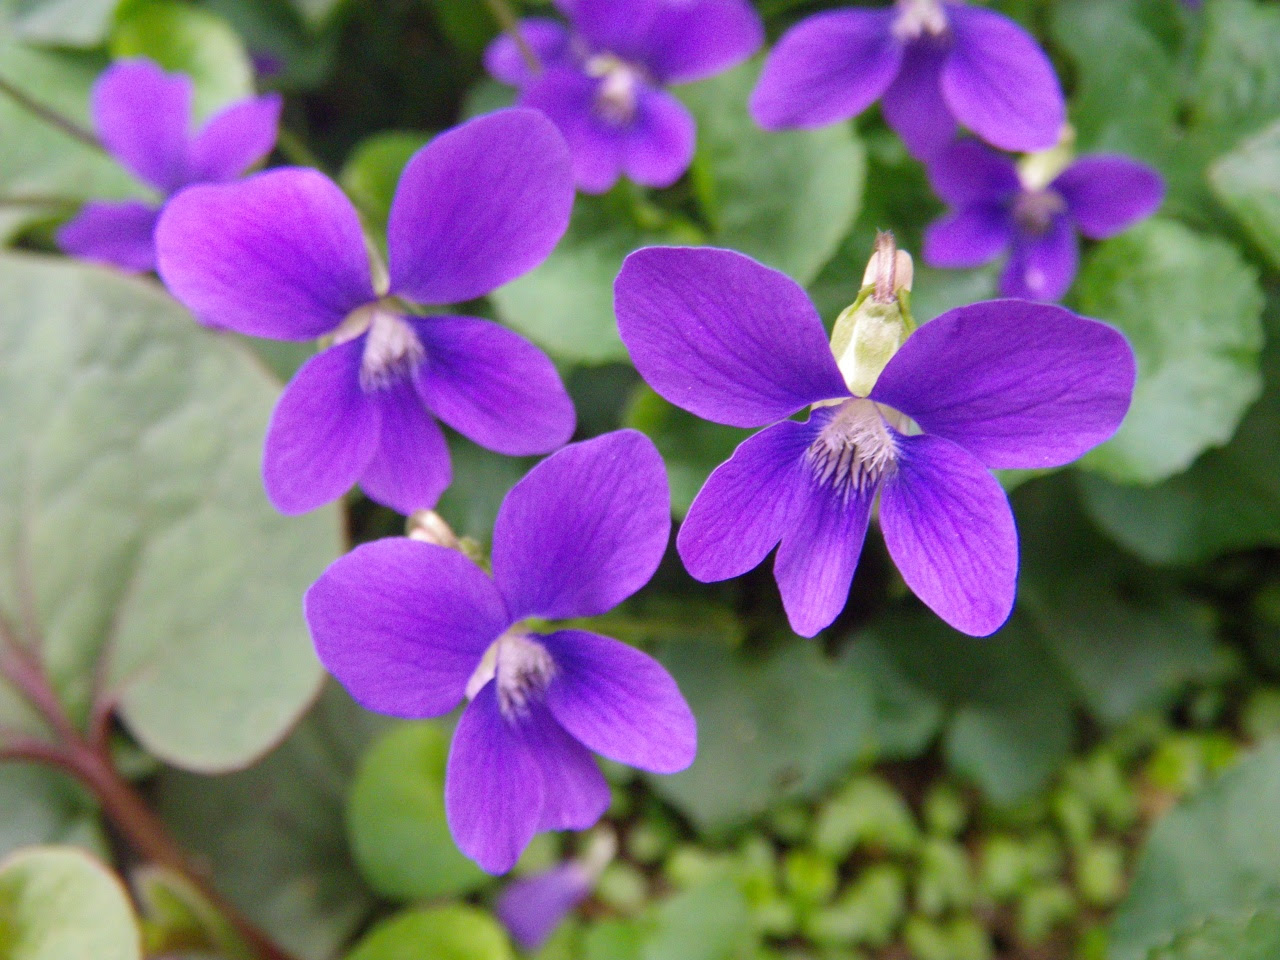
602, 79
282, 255
143, 118
936, 63
411, 628
532, 907
996, 211
1003, 384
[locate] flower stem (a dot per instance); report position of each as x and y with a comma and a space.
510, 23
68, 126
91, 764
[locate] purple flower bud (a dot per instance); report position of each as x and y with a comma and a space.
1004, 384
282, 255
602, 78
995, 211
935, 63
143, 117
412, 629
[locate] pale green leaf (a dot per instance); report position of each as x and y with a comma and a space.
440, 933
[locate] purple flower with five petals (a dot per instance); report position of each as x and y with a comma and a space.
282, 255
1001, 384
602, 79
995, 212
143, 118
411, 629
936, 63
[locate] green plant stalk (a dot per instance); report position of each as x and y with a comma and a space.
49, 115
91, 764
510, 24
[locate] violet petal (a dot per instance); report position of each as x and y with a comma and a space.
403, 624
121, 234
815, 564
492, 385
235, 139
742, 510
532, 907
619, 702
143, 117
279, 255
323, 432
999, 83
914, 107
549, 41
567, 96
968, 237
949, 529
1107, 193
1017, 384
1042, 265
723, 336
493, 789
826, 68
694, 39
575, 792
479, 206
660, 140
410, 467
968, 172
584, 529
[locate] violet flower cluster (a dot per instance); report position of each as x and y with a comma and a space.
934, 64
995, 211
1004, 384
283, 255
143, 116
412, 629
602, 78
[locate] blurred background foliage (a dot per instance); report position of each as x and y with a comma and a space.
1097, 781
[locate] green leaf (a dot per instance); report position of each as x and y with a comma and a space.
709, 921
769, 728
784, 198
274, 837
690, 446
396, 819
177, 916
58, 903
906, 716
144, 555
1228, 500
65, 23
1217, 853
188, 39
440, 933
372, 172
43, 806
1246, 183
1238, 78
1128, 638
1191, 307
1251, 935
787, 199
1009, 723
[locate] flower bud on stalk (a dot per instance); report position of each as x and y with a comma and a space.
869, 333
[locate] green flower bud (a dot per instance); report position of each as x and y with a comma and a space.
1100, 874
868, 333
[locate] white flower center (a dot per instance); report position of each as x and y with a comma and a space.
391, 350
619, 86
1035, 209
522, 668
855, 449
916, 18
